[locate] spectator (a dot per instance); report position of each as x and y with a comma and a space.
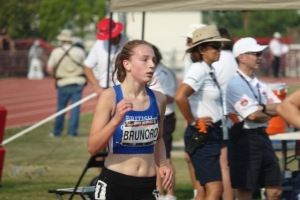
65, 64
98, 72
277, 50
164, 81
199, 98
187, 63
252, 160
35, 57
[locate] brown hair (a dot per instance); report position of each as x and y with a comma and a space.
195, 53
157, 54
125, 54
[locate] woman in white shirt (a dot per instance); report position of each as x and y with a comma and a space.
199, 98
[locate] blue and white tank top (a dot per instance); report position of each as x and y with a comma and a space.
137, 134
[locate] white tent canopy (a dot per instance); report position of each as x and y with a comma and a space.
198, 5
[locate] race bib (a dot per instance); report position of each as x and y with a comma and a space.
140, 133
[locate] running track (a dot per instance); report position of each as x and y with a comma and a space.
29, 101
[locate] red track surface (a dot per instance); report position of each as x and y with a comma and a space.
29, 101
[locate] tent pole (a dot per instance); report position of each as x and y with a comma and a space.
109, 48
143, 24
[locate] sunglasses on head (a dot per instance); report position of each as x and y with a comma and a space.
257, 54
214, 45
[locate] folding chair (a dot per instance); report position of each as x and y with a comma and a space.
288, 159
96, 161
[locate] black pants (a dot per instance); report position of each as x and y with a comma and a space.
252, 160
112, 185
169, 127
276, 66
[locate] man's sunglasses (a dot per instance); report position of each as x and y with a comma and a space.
257, 54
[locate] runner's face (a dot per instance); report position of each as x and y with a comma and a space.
142, 63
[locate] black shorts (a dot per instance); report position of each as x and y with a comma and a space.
112, 185
206, 159
252, 160
169, 127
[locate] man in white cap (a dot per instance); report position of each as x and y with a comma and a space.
66, 65
97, 70
253, 163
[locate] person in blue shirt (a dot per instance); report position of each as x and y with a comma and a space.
252, 160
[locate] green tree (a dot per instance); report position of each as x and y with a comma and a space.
45, 18
17, 16
259, 23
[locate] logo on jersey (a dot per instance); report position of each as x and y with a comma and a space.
140, 132
244, 102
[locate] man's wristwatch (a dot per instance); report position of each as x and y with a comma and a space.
264, 108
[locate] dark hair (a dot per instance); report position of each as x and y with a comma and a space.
225, 34
125, 54
157, 54
195, 54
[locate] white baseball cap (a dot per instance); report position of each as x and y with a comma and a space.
277, 35
247, 44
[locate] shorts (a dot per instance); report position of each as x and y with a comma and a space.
252, 161
112, 185
169, 127
206, 159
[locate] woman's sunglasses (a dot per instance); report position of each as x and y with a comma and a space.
214, 45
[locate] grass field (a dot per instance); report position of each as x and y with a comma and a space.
37, 162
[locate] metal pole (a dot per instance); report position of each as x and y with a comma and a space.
12, 138
109, 49
143, 25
